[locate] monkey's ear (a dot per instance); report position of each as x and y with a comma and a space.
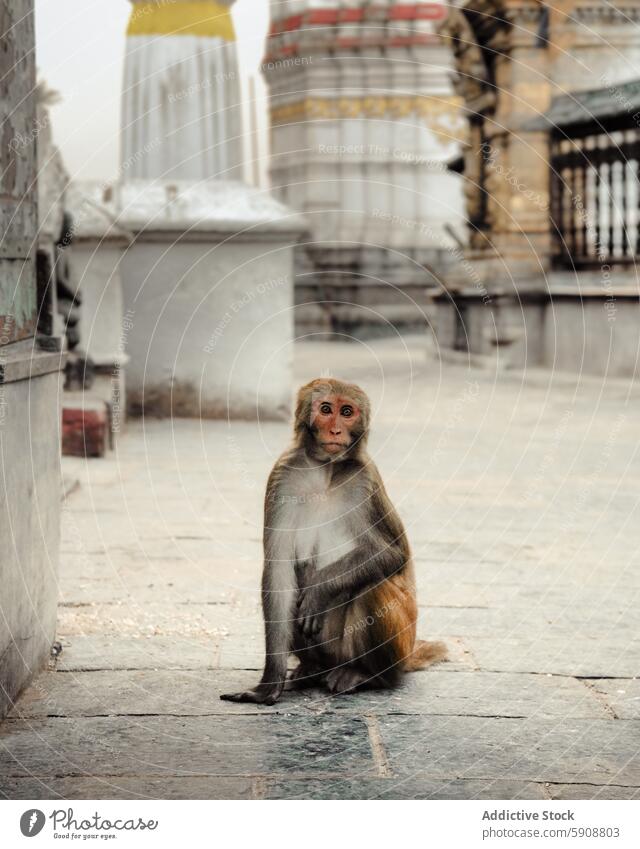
303, 404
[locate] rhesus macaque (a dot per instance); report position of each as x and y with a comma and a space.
338, 587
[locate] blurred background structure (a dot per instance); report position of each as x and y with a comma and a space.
447, 187
551, 182
363, 125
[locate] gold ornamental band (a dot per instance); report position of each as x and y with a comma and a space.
200, 17
439, 112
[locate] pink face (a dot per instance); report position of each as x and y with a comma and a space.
333, 417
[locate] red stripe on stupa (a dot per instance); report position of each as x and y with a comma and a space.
321, 16
330, 17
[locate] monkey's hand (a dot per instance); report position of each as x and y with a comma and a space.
263, 694
311, 605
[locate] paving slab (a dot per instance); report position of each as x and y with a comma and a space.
135, 692
140, 619
559, 750
196, 693
136, 787
402, 788
100, 579
466, 693
568, 792
98, 651
185, 746
622, 695
607, 653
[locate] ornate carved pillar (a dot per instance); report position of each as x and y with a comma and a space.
502, 63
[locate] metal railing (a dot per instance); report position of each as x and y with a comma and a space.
595, 198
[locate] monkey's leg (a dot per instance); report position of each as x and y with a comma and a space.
331, 652
278, 600
378, 635
304, 677
312, 669
347, 679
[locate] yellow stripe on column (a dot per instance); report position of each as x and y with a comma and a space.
179, 18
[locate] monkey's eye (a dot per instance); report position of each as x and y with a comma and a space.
346, 411
325, 409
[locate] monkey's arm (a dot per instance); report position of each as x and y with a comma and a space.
344, 579
382, 551
278, 602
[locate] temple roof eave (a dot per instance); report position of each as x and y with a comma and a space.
222, 207
595, 106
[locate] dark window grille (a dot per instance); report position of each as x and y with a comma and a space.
595, 196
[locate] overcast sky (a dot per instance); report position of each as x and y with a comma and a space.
80, 49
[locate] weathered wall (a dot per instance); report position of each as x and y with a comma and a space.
29, 528
209, 328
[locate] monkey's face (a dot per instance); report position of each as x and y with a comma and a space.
336, 423
332, 419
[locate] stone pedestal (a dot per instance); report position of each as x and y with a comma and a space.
208, 296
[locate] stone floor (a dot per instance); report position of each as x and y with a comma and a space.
521, 501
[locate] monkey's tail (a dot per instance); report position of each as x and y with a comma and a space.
425, 654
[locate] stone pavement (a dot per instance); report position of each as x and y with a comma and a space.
521, 501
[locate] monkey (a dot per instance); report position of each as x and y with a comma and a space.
338, 585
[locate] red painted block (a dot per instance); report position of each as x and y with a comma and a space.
85, 429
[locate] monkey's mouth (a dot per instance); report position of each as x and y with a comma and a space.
334, 447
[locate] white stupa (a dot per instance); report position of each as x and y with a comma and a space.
180, 106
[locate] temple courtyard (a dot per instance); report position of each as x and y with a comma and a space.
520, 495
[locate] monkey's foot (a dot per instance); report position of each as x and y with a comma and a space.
345, 680
263, 694
303, 677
